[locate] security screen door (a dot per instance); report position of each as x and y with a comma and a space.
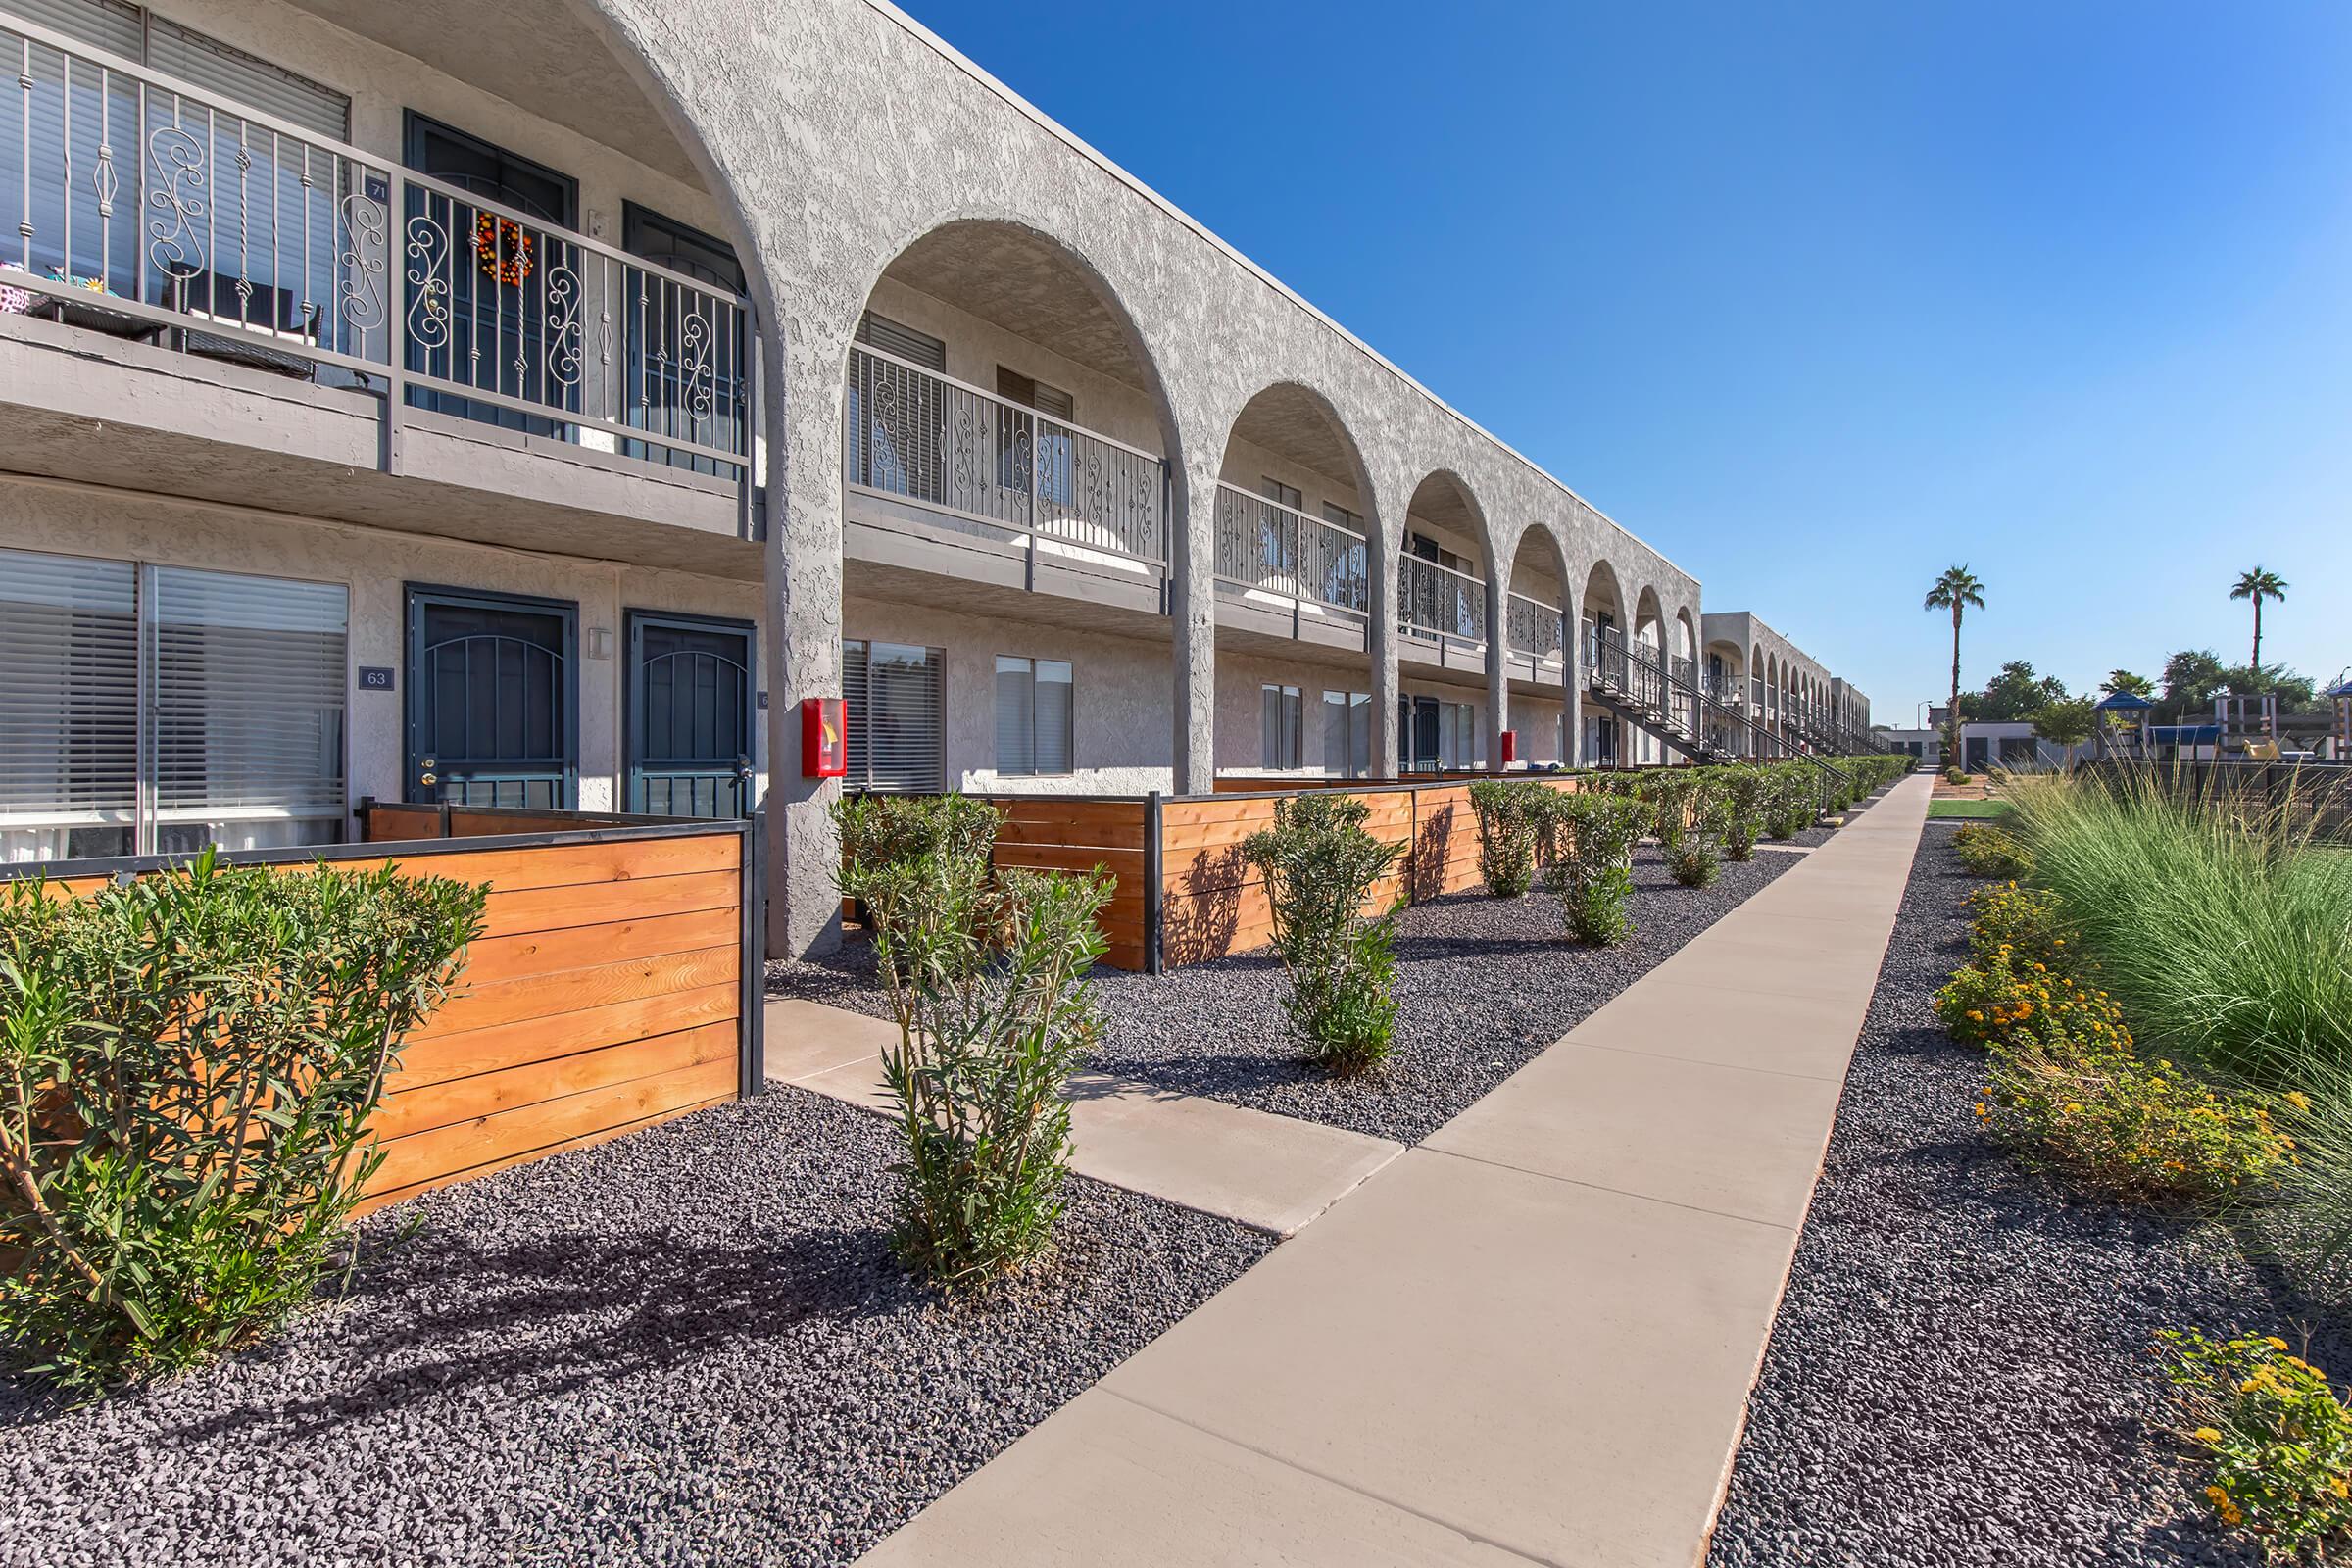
493, 700
690, 715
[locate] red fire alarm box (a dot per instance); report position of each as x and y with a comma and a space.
824, 738
1510, 747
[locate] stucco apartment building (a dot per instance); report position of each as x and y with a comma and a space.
533, 403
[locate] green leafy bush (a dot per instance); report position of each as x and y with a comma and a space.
1955, 774
2279, 1438
188, 1066
1669, 793
1744, 790
1792, 801
1322, 871
1592, 872
1507, 810
1696, 859
986, 980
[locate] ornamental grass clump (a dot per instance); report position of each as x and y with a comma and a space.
1507, 810
188, 1066
1335, 933
1592, 873
2278, 1438
986, 974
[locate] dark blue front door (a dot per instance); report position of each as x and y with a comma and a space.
690, 715
493, 709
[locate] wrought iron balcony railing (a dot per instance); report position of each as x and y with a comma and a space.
1440, 603
149, 208
1270, 548
916, 434
1537, 630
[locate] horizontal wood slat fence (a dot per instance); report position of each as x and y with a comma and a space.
1186, 896
616, 984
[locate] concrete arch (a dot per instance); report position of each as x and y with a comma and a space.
1355, 471
1466, 498
1686, 636
970, 227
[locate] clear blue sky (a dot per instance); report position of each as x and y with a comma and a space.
1816, 298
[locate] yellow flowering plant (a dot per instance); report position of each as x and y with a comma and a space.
2130, 1128
2278, 1436
2006, 997
2020, 920
1988, 850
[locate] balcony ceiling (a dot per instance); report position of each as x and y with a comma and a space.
1288, 422
536, 54
1024, 286
1441, 501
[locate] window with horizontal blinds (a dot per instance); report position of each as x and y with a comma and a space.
69, 707
266, 194
242, 681
1050, 400
1348, 734
249, 710
895, 702
894, 337
1034, 715
1279, 720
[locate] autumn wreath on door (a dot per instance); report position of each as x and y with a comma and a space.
503, 249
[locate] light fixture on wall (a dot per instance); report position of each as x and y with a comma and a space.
599, 642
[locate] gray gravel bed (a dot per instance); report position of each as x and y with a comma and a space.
1484, 985
1961, 1370
688, 1346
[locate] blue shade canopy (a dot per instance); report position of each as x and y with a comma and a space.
2123, 702
2341, 689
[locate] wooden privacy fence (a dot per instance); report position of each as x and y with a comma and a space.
616, 984
1186, 896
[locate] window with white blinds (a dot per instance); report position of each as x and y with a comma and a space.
1279, 722
895, 701
69, 707
243, 683
1348, 734
1035, 715
247, 687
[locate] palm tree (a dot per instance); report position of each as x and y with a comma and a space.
2124, 680
1956, 590
2259, 585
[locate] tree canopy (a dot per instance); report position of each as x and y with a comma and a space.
2016, 693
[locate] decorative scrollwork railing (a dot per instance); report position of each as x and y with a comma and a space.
147, 206
1266, 546
1439, 602
926, 437
1536, 629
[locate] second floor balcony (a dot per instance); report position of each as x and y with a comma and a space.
1272, 550
1440, 604
1539, 638
967, 465
165, 216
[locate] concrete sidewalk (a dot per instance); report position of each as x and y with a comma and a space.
1528, 1339
1271, 1172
